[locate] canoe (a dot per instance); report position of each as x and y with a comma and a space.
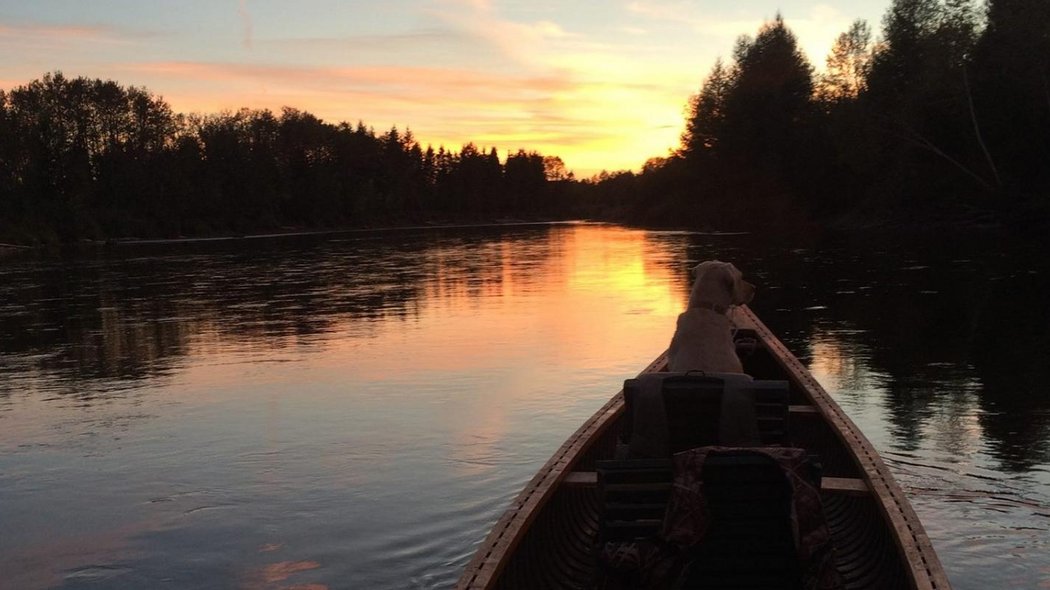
547, 537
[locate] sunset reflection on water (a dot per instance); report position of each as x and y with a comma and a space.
351, 394
359, 408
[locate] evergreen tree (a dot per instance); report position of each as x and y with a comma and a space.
706, 118
767, 107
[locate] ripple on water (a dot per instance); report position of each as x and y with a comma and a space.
990, 531
434, 371
432, 551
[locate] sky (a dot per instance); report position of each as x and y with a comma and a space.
602, 84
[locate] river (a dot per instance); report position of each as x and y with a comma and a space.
355, 410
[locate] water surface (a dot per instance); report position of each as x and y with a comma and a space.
355, 411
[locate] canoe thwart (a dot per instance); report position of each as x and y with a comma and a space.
832, 485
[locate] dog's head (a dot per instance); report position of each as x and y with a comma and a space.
719, 284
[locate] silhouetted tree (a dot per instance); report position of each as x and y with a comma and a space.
847, 65
10, 206
769, 101
1011, 92
525, 180
706, 114
90, 158
920, 103
939, 120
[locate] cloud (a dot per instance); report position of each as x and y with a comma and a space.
816, 26
552, 111
396, 82
525, 44
679, 12
246, 23
424, 38
635, 31
52, 34
452, 102
433, 44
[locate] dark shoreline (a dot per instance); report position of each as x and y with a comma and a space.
323, 232
12, 249
886, 230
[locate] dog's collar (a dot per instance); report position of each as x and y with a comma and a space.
722, 309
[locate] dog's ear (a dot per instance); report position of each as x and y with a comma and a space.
743, 291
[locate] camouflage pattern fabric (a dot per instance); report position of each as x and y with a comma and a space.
660, 561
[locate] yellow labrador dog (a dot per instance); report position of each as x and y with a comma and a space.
703, 339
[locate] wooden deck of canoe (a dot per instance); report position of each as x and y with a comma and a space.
546, 537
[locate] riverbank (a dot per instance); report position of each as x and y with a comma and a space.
11, 249
873, 225
285, 232
291, 233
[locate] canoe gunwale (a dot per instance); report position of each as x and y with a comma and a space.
505, 535
923, 565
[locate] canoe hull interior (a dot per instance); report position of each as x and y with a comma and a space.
547, 538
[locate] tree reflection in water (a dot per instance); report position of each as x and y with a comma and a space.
938, 351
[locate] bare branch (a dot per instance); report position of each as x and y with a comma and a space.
977, 130
917, 139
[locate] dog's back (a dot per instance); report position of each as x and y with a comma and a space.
703, 341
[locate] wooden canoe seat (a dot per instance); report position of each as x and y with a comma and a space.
695, 407
689, 404
634, 495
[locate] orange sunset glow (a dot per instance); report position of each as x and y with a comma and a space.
602, 86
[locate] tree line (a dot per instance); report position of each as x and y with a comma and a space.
90, 159
943, 118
